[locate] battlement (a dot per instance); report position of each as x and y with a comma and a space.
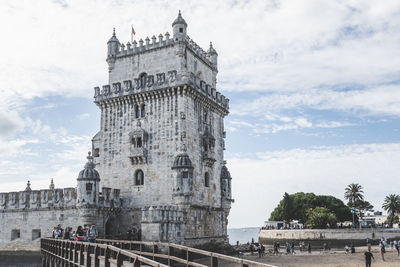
58, 198
158, 81
149, 44
144, 46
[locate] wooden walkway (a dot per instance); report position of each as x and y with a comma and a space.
110, 253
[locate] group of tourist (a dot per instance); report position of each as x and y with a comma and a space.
83, 234
133, 235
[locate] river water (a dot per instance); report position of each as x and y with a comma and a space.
243, 235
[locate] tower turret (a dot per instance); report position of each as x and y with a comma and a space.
213, 55
113, 46
88, 184
179, 28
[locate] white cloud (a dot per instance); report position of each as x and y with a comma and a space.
83, 116
275, 123
260, 182
381, 100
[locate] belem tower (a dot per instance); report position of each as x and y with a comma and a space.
158, 157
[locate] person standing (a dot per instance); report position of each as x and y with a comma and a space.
79, 234
309, 247
368, 257
259, 250
382, 250
92, 234
129, 234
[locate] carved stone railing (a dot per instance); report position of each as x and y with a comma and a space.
138, 155
208, 158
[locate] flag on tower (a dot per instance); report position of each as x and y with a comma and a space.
132, 34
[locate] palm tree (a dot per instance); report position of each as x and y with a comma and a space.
392, 206
353, 193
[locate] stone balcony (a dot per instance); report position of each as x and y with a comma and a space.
209, 158
138, 155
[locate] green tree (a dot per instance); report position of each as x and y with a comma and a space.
353, 193
288, 211
304, 201
321, 218
391, 205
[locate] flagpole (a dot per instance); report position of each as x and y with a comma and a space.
131, 33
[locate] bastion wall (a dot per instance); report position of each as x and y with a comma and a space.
333, 237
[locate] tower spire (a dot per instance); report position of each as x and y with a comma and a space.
51, 187
28, 186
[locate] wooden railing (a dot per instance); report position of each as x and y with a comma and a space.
118, 253
57, 252
188, 256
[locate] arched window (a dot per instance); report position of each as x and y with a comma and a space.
134, 142
137, 112
143, 80
139, 142
142, 111
207, 179
139, 177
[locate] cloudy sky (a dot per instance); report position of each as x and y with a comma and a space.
314, 89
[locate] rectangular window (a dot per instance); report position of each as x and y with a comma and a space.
185, 174
15, 234
88, 187
36, 234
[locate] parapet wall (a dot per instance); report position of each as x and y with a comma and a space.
59, 198
145, 46
333, 236
156, 81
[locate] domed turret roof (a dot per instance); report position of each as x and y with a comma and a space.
179, 20
211, 50
89, 171
113, 38
182, 161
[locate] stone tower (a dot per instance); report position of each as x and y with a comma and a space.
161, 138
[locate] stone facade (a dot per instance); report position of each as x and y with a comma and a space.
161, 138
161, 143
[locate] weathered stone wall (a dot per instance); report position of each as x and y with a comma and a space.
336, 237
28, 215
28, 223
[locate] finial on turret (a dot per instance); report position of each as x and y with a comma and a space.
28, 186
51, 187
89, 157
113, 31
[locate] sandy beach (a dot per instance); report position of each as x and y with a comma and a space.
331, 259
